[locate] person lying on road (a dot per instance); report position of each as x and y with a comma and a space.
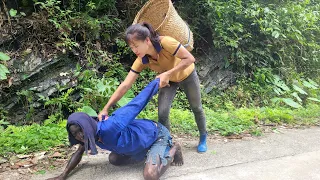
128, 139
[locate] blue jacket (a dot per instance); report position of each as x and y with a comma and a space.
122, 133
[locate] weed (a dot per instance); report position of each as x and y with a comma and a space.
3, 69
26, 139
41, 172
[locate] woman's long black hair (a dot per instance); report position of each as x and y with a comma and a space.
141, 32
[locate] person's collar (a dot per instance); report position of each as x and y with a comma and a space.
157, 46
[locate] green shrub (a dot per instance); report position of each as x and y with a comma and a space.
35, 137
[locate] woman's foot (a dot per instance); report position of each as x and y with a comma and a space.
202, 147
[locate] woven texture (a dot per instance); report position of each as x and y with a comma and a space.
163, 17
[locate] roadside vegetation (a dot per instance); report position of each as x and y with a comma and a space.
274, 52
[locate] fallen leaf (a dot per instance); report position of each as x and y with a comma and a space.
39, 155
15, 166
23, 156
98, 45
10, 81
24, 163
27, 51
34, 161
64, 74
13, 159
56, 154
3, 160
234, 137
30, 170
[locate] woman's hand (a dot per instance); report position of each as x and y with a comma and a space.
103, 115
164, 79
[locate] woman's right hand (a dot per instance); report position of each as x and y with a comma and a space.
103, 115
118, 94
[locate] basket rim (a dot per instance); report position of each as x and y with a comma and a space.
144, 8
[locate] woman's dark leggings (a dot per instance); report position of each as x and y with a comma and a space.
191, 87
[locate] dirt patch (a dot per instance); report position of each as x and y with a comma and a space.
24, 166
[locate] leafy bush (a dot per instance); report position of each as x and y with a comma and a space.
238, 121
273, 47
3, 69
283, 35
264, 88
81, 26
35, 137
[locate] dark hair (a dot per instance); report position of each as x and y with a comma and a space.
141, 32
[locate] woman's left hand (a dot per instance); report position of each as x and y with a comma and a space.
164, 79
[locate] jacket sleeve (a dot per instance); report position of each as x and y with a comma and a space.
123, 116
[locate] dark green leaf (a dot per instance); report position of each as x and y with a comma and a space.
13, 12
89, 111
4, 57
314, 99
126, 98
291, 102
296, 96
297, 88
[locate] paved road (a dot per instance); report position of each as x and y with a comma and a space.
290, 154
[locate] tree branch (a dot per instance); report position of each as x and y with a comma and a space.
6, 11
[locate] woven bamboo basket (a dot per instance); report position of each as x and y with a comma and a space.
163, 17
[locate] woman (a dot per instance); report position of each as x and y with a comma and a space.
176, 68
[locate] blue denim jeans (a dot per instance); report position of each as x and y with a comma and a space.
160, 148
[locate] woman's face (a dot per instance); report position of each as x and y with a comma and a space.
140, 47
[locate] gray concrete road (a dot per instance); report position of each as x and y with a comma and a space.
292, 154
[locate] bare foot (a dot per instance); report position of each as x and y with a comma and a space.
177, 158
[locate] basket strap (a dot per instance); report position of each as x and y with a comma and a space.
186, 45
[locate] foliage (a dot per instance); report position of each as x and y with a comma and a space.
273, 45
94, 91
88, 110
238, 121
13, 12
27, 99
80, 24
35, 137
302, 90
3, 69
283, 35
254, 32
58, 103
3, 119
122, 50
264, 88
195, 13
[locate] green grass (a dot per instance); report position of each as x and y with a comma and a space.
31, 138
237, 121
